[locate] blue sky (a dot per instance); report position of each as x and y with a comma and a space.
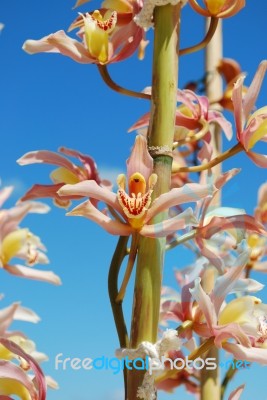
48, 101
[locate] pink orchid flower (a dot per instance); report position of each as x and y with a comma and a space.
107, 35
67, 172
15, 381
243, 320
230, 70
135, 210
193, 117
250, 129
218, 9
16, 242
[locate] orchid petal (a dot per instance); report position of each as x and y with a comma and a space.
247, 285
140, 159
14, 381
113, 227
59, 42
5, 194
6, 316
141, 123
235, 394
93, 190
237, 96
191, 192
226, 126
254, 89
165, 228
204, 302
230, 331
40, 379
258, 159
45, 191
48, 157
26, 314
31, 273
224, 178
225, 283
217, 224
213, 258
87, 161
252, 354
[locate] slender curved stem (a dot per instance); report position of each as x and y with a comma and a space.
116, 262
114, 86
217, 160
228, 376
129, 268
182, 239
205, 41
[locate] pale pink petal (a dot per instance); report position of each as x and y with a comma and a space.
252, 354
210, 255
93, 190
127, 40
224, 178
215, 116
32, 273
218, 224
5, 194
235, 395
247, 285
254, 89
258, 159
87, 161
39, 376
11, 371
141, 123
165, 228
225, 283
238, 107
140, 160
230, 331
191, 192
59, 42
7, 315
26, 314
48, 157
113, 227
205, 303
47, 191
205, 153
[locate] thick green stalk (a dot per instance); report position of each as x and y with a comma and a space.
210, 379
160, 138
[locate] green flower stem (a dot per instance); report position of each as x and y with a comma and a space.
228, 377
151, 251
215, 161
182, 239
119, 89
129, 268
116, 262
209, 35
210, 379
